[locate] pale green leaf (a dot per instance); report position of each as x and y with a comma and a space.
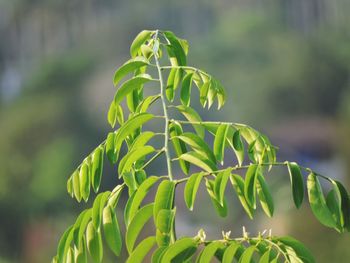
128, 67
146, 103
76, 185
208, 253
63, 244
238, 146
84, 180
164, 198
97, 208
111, 230
133, 156
176, 48
247, 255
142, 139
94, 242
199, 160
110, 147
192, 116
164, 224
230, 252
139, 40
97, 168
142, 250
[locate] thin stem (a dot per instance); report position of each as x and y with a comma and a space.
152, 159
187, 67
166, 128
208, 122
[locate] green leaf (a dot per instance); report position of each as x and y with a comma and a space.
146, 103
110, 147
318, 202
191, 189
175, 130
139, 196
80, 254
185, 95
192, 116
112, 114
94, 242
97, 208
238, 185
300, 250
265, 196
199, 160
220, 209
250, 185
97, 168
142, 250
296, 179
265, 258
70, 189
115, 195
133, 156
203, 93
128, 67
344, 204
142, 139
164, 224
134, 98
219, 142
80, 227
70, 256
247, 255
158, 253
221, 95
136, 225
164, 198
129, 127
208, 253
140, 39
197, 144
173, 81
63, 244
176, 48
238, 146
111, 230
333, 204
130, 85
230, 252
220, 184
76, 185
84, 180
177, 248
130, 181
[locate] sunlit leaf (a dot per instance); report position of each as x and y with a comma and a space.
318, 202
177, 248
176, 47
128, 67
230, 252
247, 255
142, 250
192, 116
140, 39
97, 208
220, 184
238, 185
164, 225
111, 230
132, 156
300, 250
208, 253
199, 160
164, 198
265, 196
94, 242
84, 180
97, 168
136, 225
221, 209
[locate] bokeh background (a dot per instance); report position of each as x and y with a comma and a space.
285, 64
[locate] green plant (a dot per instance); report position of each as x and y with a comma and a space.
148, 50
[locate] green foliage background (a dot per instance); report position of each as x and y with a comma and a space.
284, 65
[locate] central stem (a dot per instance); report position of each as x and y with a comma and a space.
163, 99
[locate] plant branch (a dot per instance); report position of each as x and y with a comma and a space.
162, 97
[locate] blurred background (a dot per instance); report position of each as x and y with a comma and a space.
285, 65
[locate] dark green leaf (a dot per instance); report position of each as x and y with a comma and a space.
250, 185
238, 146
265, 196
300, 250
219, 142
296, 179
220, 184
185, 94
220, 209
191, 189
